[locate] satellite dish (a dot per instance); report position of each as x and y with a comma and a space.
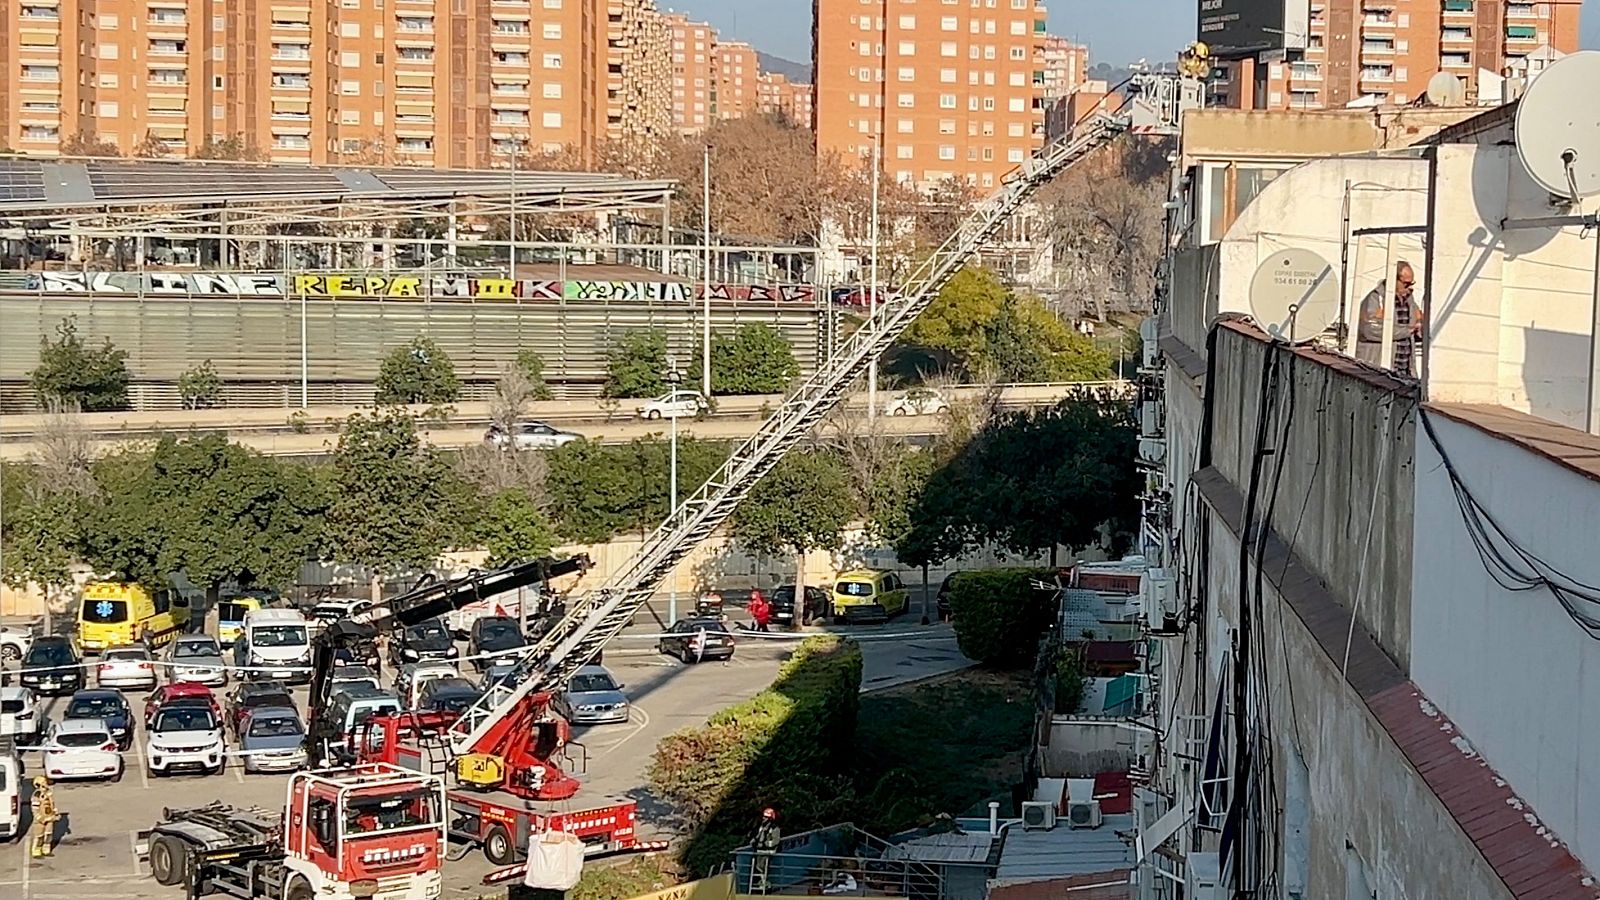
1294, 295
1558, 132
1445, 89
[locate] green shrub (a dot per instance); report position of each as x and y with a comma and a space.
1000, 616
789, 747
419, 372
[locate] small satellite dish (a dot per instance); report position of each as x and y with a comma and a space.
1445, 89
1294, 295
1558, 132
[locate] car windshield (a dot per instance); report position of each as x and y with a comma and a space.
104, 612
783, 595
704, 625
11, 707
83, 739
278, 636
49, 653
184, 718
501, 635
854, 588
354, 673
367, 713
231, 612
94, 708
194, 650
275, 726
583, 684
428, 631
454, 699
117, 654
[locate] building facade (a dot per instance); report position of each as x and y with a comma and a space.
692, 73
1066, 66
1362, 52
776, 95
736, 79
950, 90
319, 81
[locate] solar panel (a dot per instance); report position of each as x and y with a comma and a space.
21, 180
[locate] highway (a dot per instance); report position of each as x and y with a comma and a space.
314, 430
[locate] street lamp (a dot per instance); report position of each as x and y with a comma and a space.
673, 378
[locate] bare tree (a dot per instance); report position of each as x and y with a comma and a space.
62, 453
765, 183
151, 147
495, 469
87, 143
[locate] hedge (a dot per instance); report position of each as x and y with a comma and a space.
999, 615
788, 747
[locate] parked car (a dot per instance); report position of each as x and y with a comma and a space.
869, 594
275, 644
10, 794
421, 643
410, 679
197, 658
107, 706
126, 666
51, 666
942, 599
693, 640
250, 695
272, 739
344, 677
673, 405
358, 705
447, 695
184, 736
783, 609
494, 635
529, 436
21, 717
594, 696
334, 609
14, 642
495, 671
917, 402
81, 748
179, 693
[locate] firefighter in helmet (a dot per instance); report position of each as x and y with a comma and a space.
765, 846
45, 817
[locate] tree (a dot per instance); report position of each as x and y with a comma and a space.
43, 534
72, 374
1028, 343
419, 372
531, 365
803, 504
396, 503
954, 326
1000, 617
765, 182
199, 387
151, 147
233, 147
513, 527
86, 143
637, 365
755, 359
598, 491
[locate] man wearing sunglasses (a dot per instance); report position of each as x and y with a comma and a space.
1407, 321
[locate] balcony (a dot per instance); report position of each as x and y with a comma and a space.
1377, 48
169, 48
1458, 7
45, 13
1523, 33
1455, 36
168, 22
290, 82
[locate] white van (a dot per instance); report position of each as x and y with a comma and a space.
10, 794
274, 644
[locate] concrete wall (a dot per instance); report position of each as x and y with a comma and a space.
1346, 488
1514, 309
1081, 747
1194, 294
1511, 669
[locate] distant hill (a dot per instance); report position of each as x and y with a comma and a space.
788, 68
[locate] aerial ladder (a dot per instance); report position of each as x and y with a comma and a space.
1154, 104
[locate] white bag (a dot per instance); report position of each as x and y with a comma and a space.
555, 861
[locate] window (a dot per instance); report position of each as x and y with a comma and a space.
948, 23
1015, 129
1019, 27
552, 60
1017, 79
907, 73
908, 48
1019, 53
947, 76
108, 109
353, 29
350, 88
905, 126
903, 151
350, 58
907, 101
349, 117
1015, 104
947, 101
947, 48
510, 26
1015, 154
108, 81
552, 90
908, 23
947, 126
947, 152
108, 51
552, 120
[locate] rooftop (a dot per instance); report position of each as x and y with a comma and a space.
1061, 851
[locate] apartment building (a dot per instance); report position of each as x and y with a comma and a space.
777, 95
692, 76
1066, 66
321, 81
1385, 51
737, 71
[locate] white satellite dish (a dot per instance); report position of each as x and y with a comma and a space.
1445, 89
1294, 295
1558, 131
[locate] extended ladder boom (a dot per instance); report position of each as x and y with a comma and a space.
601, 615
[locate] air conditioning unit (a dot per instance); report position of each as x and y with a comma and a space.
1203, 877
1083, 814
1038, 815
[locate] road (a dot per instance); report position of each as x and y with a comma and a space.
97, 850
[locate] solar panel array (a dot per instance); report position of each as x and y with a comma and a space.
121, 181
21, 180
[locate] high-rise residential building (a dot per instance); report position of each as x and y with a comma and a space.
1385, 51
953, 90
1066, 66
736, 71
777, 95
692, 76
317, 81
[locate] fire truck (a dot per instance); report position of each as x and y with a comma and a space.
375, 832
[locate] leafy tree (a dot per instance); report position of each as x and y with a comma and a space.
954, 326
999, 616
892, 495
396, 503
199, 387
75, 375
513, 527
598, 491
151, 147
233, 147
1027, 342
86, 143
803, 504
419, 372
43, 538
755, 359
532, 366
637, 366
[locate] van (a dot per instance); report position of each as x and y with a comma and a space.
869, 594
114, 612
273, 644
230, 616
10, 793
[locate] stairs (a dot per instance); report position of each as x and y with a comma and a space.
599, 616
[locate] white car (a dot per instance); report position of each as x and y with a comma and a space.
412, 677
529, 436
197, 658
917, 402
20, 715
184, 737
81, 748
674, 405
10, 795
126, 666
14, 642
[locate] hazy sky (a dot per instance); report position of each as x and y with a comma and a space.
1117, 31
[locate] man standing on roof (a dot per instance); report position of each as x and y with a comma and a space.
765, 846
1407, 321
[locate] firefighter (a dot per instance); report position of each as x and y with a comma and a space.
766, 846
45, 817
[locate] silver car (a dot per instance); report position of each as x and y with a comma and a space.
197, 657
529, 436
126, 666
593, 697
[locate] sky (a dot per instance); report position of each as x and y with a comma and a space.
1117, 31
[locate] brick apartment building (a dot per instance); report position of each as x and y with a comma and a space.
692, 73
1066, 66
953, 90
319, 81
737, 74
1385, 51
777, 95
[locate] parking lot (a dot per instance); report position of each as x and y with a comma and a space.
96, 847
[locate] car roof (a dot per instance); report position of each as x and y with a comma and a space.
362, 690
194, 639
703, 620
81, 725
263, 687
95, 694
262, 711
275, 617
186, 688
52, 639
15, 693
863, 573
453, 683
593, 670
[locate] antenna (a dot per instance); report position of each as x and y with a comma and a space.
1294, 295
1445, 89
1557, 132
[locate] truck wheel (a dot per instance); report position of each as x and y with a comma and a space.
498, 847
168, 860
300, 890
10, 653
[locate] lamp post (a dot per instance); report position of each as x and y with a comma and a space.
872, 287
516, 151
673, 378
705, 237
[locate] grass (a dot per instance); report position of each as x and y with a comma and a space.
628, 877
945, 746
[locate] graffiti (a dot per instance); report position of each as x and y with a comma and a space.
375, 286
